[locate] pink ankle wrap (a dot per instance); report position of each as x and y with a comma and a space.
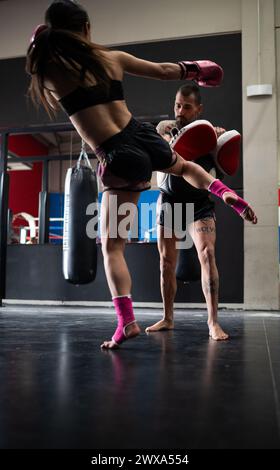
218, 188
124, 310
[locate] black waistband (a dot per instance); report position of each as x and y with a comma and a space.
119, 138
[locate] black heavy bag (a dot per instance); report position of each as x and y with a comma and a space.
79, 244
188, 266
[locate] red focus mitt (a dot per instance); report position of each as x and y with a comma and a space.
194, 140
227, 152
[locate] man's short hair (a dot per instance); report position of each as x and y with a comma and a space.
190, 88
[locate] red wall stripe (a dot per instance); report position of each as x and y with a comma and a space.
26, 185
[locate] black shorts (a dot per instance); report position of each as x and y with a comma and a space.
202, 209
127, 159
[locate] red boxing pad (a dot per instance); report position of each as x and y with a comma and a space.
195, 140
227, 152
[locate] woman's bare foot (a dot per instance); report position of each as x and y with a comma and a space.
230, 198
250, 215
130, 331
216, 332
161, 325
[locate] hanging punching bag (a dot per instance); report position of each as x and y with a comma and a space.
188, 266
79, 246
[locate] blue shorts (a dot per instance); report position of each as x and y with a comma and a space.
127, 159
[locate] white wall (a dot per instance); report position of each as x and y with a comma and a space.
277, 13
147, 20
123, 21
260, 163
277, 38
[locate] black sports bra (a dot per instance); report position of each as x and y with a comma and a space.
84, 97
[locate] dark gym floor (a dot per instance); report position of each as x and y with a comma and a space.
177, 389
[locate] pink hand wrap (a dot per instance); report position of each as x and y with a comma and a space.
218, 188
124, 310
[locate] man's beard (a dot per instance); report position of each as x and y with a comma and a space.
182, 122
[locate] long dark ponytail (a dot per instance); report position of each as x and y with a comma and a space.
60, 41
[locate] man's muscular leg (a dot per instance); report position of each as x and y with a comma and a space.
204, 236
168, 283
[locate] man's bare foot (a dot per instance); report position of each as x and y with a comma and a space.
131, 331
216, 332
248, 214
161, 325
